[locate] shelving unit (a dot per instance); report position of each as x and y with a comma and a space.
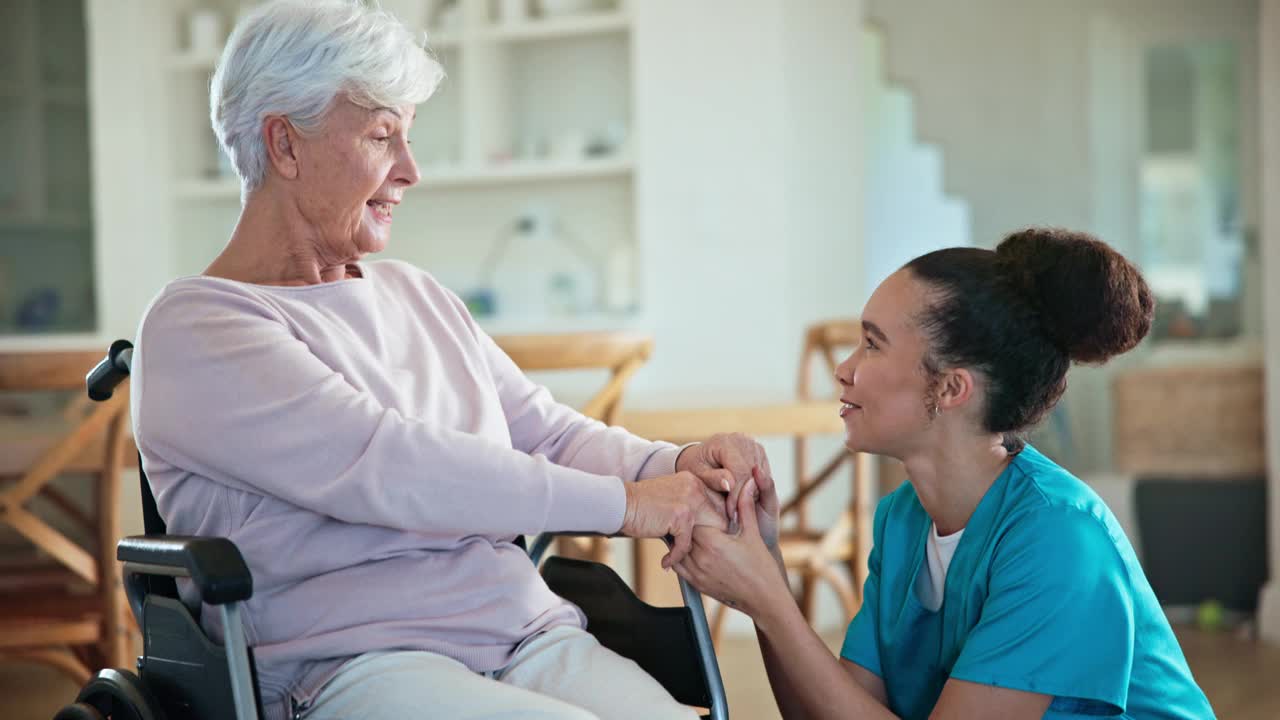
532, 115
433, 178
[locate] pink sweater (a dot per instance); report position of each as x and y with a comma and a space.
373, 454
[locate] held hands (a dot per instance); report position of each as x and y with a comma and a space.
742, 570
724, 463
672, 505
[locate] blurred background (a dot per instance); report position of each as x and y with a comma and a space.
722, 178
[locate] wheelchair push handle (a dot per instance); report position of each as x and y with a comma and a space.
110, 372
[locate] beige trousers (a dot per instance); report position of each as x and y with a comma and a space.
563, 673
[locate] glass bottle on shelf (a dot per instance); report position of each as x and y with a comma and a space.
537, 270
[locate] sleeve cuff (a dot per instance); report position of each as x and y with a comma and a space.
585, 503
661, 462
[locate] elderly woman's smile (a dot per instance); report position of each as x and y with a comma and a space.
382, 209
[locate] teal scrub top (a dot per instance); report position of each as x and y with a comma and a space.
1044, 594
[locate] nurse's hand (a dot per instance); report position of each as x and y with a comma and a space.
738, 570
766, 508
671, 506
724, 463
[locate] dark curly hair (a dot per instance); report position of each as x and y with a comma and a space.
1021, 314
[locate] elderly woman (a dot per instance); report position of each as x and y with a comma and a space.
999, 586
371, 451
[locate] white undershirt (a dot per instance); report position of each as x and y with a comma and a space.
933, 574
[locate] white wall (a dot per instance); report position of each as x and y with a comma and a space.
1269, 83
747, 191
133, 259
825, 106
711, 204
749, 196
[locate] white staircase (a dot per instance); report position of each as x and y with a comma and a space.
908, 212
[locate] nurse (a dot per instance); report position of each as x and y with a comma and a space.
999, 585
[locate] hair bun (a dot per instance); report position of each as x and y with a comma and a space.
1093, 303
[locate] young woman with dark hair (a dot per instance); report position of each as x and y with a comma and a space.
999, 585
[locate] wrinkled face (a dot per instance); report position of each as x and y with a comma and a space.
352, 173
884, 388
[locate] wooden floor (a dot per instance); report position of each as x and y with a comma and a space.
1241, 678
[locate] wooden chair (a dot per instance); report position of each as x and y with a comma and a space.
814, 554
848, 541
63, 606
619, 353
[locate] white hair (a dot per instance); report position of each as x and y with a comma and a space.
294, 57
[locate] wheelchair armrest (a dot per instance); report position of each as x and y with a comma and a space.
214, 564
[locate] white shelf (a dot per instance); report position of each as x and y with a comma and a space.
556, 28
208, 60
602, 23
517, 172
438, 177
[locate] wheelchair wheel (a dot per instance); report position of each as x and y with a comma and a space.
78, 711
118, 695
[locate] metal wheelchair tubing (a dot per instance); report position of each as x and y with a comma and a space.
706, 651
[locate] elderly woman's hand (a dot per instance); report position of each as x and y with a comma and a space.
724, 463
739, 570
671, 505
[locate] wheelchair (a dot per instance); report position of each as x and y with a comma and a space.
183, 674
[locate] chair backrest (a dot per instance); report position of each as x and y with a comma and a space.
57, 370
81, 431
621, 353
825, 340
